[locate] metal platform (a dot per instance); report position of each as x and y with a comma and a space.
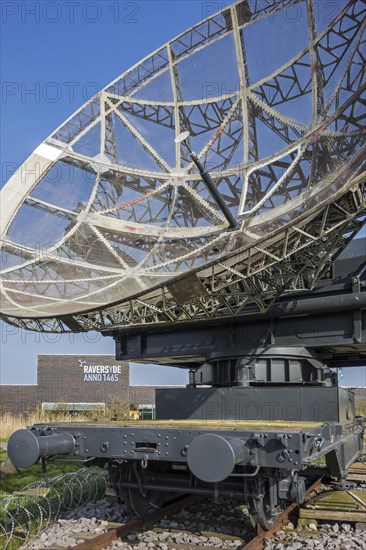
190, 424
284, 445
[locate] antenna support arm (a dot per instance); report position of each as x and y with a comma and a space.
206, 178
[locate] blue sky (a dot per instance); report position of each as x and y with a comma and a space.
54, 57
52, 61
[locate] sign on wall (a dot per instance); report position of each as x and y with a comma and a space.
100, 373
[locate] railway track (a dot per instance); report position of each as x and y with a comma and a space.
181, 526
170, 524
257, 542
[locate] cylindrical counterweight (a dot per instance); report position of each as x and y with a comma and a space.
212, 458
25, 448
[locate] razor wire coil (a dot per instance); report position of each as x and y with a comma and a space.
23, 517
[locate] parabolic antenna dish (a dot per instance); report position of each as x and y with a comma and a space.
109, 223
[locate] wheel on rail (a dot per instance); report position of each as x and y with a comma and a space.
261, 515
260, 506
143, 502
145, 505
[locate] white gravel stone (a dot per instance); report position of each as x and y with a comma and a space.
94, 517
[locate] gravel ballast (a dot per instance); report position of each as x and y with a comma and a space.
336, 536
190, 527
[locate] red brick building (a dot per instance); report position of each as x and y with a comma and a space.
75, 381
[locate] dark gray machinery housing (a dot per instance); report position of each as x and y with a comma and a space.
261, 406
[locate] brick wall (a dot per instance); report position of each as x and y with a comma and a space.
142, 395
61, 379
18, 399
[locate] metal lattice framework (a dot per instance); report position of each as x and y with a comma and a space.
108, 223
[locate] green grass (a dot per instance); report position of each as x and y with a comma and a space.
18, 480
14, 544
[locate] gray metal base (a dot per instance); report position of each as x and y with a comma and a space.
309, 404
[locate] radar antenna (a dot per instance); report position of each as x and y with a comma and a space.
124, 226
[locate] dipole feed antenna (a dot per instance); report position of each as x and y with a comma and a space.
207, 180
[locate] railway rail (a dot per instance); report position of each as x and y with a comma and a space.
257, 542
336, 506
